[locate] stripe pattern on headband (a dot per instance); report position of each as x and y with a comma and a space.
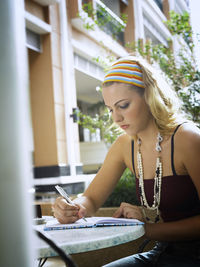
126, 72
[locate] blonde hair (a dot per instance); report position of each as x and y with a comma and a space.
162, 100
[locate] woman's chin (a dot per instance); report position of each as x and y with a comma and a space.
130, 132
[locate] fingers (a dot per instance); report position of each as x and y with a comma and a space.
129, 211
118, 213
132, 214
65, 212
81, 212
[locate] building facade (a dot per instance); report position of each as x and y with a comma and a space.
65, 48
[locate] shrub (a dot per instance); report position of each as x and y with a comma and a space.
125, 191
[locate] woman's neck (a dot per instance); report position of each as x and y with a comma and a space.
149, 134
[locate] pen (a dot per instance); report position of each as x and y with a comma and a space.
65, 195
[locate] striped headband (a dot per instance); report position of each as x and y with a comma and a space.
125, 71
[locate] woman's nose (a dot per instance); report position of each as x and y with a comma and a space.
117, 117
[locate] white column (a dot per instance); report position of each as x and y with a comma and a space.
70, 100
16, 235
139, 24
194, 15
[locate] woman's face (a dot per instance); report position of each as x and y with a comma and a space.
128, 108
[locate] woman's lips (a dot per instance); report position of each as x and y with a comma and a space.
124, 127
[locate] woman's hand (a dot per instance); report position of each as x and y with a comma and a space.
67, 213
129, 211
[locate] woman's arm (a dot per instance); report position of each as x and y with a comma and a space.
106, 179
99, 189
186, 229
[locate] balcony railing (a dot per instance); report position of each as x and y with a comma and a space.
109, 22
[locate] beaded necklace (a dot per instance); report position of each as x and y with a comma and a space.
157, 181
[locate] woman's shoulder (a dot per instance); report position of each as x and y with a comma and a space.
123, 139
188, 136
123, 147
122, 143
119, 149
189, 129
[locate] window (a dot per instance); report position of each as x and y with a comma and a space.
33, 40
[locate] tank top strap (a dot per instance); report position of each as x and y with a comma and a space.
132, 151
172, 149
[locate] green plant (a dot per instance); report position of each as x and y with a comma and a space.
125, 191
103, 121
179, 24
102, 19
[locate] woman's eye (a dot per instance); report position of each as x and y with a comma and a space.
124, 106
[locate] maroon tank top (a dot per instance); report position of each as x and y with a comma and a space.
179, 197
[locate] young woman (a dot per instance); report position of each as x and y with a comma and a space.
162, 149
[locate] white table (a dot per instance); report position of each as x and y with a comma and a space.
87, 239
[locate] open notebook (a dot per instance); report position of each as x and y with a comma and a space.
92, 222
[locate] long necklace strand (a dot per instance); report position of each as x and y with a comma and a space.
157, 181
